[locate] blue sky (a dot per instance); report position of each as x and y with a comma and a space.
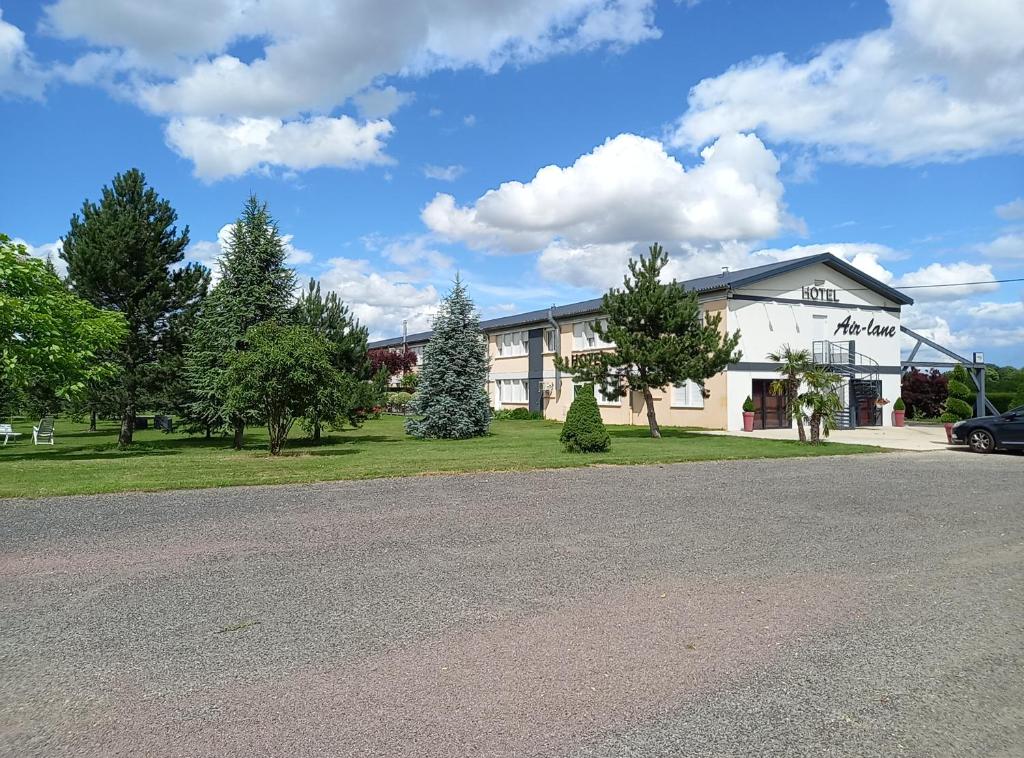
389, 138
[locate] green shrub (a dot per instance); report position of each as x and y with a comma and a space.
583, 430
517, 414
1003, 401
399, 401
899, 405
960, 403
748, 404
1018, 399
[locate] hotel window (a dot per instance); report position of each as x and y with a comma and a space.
418, 351
512, 391
584, 337
550, 341
602, 399
512, 343
687, 395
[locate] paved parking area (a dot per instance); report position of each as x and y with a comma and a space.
920, 437
860, 605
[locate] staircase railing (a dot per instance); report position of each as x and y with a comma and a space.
849, 364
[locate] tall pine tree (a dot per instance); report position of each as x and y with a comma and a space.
255, 287
124, 254
330, 318
451, 401
659, 337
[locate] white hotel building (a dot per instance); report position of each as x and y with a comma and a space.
847, 319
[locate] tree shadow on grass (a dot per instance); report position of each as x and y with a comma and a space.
643, 432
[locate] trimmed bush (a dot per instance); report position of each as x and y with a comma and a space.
899, 405
583, 430
960, 403
748, 404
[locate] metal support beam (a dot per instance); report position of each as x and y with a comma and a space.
945, 351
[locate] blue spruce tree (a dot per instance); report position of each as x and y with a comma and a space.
451, 400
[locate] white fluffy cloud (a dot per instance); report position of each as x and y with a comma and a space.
998, 311
48, 250
945, 81
231, 147
443, 173
19, 74
627, 190
956, 280
380, 102
316, 55
1010, 245
231, 113
1011, 211
381, 301
207, 252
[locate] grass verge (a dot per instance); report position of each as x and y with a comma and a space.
84, 462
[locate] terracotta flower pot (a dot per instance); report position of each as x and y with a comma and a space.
898, 418
949, 433
748, 421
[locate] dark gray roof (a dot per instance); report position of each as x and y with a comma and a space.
727, 280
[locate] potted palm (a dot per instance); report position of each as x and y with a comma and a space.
748, 414
899, 411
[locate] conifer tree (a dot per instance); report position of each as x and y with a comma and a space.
330, 318
584, 430
124, 254
960, 402
659, 338
451, 401
255, 287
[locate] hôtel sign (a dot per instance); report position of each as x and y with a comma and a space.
820, 294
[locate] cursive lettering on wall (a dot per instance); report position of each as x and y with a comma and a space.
851, 328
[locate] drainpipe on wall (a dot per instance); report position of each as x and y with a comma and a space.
558, 348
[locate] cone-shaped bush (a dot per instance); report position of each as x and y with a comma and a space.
583, 430
960, 403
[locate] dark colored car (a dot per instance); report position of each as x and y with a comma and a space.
988, 433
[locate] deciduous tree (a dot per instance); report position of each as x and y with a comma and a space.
52, 342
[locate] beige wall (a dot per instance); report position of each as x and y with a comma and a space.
631, 410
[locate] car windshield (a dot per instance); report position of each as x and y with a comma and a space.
1019, 409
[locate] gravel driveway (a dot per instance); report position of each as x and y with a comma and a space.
862, 605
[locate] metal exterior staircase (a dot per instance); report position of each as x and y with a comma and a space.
860, 374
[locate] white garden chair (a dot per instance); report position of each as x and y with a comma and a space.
43, 434
8, 433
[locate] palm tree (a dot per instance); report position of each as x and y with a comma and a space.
822, 399
795, 364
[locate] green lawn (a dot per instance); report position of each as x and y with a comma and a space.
84, 462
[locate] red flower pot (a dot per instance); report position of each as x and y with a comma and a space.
748, 421
949, 433
898, 418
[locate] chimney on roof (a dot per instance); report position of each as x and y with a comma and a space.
725, 270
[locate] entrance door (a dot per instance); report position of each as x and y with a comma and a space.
769, 409
865, 393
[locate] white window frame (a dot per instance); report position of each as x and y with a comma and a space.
500, 401
687, 394
504, 348
551, 336
585, 338
599, 396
